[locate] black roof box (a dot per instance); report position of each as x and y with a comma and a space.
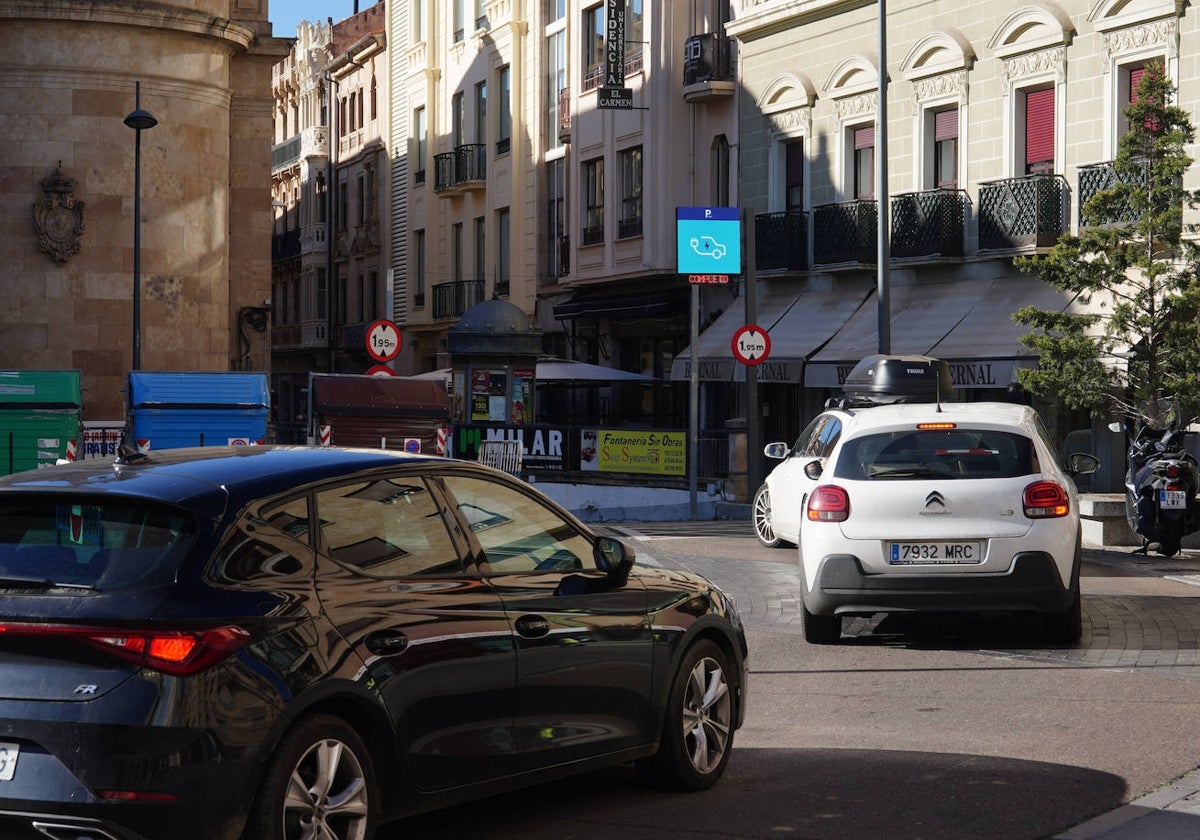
881, 379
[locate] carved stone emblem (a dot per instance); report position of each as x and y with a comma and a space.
58, 217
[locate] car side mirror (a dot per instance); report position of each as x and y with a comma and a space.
1082, 463
776, 450
813, 469
614, 557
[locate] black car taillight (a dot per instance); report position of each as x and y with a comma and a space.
176, 652
828, 503
1046, 500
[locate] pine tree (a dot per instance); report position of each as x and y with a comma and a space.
1136, 265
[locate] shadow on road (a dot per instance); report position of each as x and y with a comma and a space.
799, 793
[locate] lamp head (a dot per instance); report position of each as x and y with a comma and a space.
139, 120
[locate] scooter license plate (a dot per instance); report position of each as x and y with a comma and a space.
1172, 499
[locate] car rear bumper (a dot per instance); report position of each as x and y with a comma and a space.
1031, 584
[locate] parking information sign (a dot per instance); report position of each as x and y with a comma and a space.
708, 240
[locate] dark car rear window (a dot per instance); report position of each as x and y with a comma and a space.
942, 453
100, 545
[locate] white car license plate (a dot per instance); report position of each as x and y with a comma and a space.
8, 761
934, 553
1172, 499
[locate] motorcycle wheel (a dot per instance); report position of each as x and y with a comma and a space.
1169, 537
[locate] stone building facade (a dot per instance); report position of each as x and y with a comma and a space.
67, 81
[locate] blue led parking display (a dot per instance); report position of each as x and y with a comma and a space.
708, 240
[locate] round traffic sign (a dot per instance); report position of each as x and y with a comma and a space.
380, 370
751, 344
383, 340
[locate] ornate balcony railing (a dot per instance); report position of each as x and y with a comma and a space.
929, 223
463, 168
451, 300
351, 337
1102, 176
781, 240
1025, 212
284, 336
845, 232
707, 58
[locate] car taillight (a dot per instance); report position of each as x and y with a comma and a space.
1046, 500
828, 503
176, 652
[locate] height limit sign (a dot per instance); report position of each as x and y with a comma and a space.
751, 345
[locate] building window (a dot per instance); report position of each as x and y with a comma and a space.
374, 99
630, 223
720, 171
593, 202
1039, 132
480, 249
593, 47
946, 148
418, 268
793, 175
503, 232
352, 111
343, 204
504, 138
343, 296
864, 162
342, 117
421, 130
363, 297
362, 199
321, 304
633, 36
556, 83
417, 18
481, 21
457, 118
556, 9
556, 218
361, 103
456, 252
481, 112
460, 18
294, 291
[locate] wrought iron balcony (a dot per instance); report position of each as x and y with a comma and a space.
846, 232
564, 115
285, 336
465, 168
451, 300
929, 223
781, 240
708, 67
1102, 176
1025, 212
351, 337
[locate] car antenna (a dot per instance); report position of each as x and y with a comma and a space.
937, 388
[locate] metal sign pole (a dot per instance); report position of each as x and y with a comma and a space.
693, 401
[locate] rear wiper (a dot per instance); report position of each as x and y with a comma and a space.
12, 582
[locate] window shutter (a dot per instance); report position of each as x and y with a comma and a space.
1039, 126
1135, 79
945, 125
864, 138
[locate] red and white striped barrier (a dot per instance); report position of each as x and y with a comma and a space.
70, 450
441, 441
325, 434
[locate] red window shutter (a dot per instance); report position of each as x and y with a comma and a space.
945, 125
864, 138
1135, 79
1039, 126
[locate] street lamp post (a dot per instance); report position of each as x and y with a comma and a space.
139, 121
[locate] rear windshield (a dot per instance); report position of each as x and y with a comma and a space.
923, 454
100, 546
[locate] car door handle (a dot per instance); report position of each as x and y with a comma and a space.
386, 642
532, 626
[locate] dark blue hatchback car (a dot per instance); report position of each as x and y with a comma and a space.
262, 642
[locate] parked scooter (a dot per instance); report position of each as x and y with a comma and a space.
1161, 481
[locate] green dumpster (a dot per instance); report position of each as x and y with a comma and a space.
40, 418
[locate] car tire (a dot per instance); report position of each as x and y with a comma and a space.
320, 783
761, 512
820, 629
697, 735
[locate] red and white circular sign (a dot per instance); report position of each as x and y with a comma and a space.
751, 344
383, 340
380, 370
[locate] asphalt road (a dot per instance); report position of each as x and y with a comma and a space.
908, 729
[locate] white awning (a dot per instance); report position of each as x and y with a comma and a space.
797, 323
